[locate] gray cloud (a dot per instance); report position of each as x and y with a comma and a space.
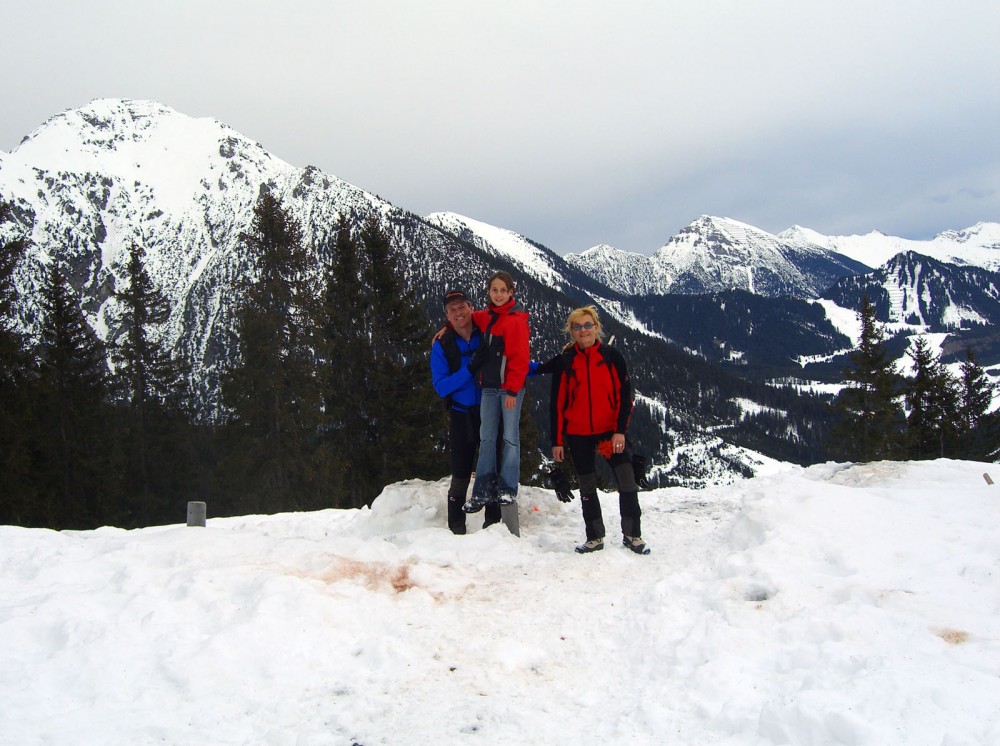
575, 123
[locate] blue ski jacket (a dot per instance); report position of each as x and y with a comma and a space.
456, 383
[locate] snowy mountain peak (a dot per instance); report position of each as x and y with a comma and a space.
136, 130
715, 254
623, 271
143, 145
601, 250
986, 235
536, 260
800, 236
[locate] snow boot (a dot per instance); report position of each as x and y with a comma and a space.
591, 545
475, 503
636, 544
506, 498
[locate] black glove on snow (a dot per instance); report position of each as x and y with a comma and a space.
639, 465
557, 477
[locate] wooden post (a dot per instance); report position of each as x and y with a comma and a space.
197, 513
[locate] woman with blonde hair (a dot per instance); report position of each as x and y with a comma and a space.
592, 407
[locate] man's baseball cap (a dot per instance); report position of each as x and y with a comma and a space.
454, 295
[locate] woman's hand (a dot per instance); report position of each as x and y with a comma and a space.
557, 454
440, 333
618, 442
510, 402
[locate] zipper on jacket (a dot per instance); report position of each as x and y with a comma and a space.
590, 393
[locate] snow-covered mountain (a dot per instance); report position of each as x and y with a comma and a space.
978, 246
531, 258
91, 181
920, 291
627, 272
715, 254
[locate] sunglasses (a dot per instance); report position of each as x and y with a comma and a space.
588, 325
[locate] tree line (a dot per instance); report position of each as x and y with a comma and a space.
882, 415
329, 400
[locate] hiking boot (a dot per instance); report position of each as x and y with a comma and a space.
591, 545
506, 498
636, 544
475, 503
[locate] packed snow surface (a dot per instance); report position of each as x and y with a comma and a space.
837, 604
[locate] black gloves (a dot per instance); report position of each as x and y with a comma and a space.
639, 465
479, 358
557, 478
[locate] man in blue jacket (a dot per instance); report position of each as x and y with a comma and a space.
451, 357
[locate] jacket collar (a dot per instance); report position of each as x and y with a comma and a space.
588, 350
505, 308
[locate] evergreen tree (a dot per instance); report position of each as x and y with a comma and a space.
407, 412
349, 430
18, 498
384, 419
275, 392
931, 426
153, 386
978, 429
75, 432
868, 415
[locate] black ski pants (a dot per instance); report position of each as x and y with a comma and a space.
584, 450
463, 432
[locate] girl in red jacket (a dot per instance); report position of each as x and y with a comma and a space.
593, 403
500, 367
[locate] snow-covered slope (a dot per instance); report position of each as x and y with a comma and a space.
715, 254
91, 181
978, 246
840, 604
923, 292
533, 259
624, 271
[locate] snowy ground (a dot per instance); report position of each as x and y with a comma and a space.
831, 605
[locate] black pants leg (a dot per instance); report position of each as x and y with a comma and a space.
584, 449
464, 440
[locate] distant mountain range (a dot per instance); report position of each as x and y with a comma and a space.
708, 322
719, 254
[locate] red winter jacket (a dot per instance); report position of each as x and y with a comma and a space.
595, 393
505, 331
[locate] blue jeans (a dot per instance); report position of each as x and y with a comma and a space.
491, 411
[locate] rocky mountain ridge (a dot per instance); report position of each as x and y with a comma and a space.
92, 180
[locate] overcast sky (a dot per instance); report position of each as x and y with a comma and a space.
574, 123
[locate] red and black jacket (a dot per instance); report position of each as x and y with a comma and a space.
594, 393
506, 333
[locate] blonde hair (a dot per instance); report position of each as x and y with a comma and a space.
578, 313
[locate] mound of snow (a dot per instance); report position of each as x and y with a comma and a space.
839, 604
